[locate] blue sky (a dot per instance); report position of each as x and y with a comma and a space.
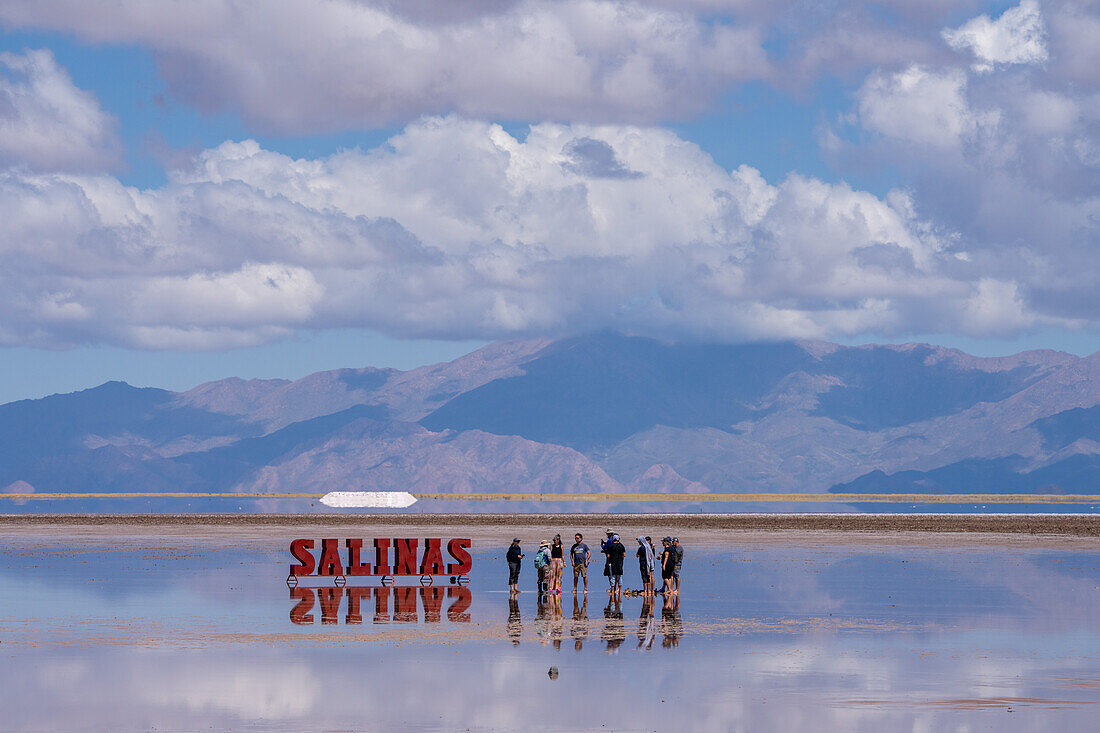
222, 189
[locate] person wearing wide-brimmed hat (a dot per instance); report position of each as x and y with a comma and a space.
542, 564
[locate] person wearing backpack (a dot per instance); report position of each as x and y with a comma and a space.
542, 565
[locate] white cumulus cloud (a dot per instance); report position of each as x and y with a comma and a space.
456, 229
1017, 37
920, 105
46, 122
305, 66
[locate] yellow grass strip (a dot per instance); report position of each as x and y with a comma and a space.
845, 498
153, 495
685, 498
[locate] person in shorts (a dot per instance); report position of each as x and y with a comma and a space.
678, 557
579, 555
668, 562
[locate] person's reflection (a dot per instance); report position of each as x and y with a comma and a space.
614, 630
515, 624
646, 625
671, 623
578, 629
541, 616
557, 623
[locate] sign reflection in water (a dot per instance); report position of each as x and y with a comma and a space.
405, 604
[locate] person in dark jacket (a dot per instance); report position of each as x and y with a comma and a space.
515, 554
616, 552
605, 547
678, 557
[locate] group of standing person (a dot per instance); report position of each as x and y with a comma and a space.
550, 564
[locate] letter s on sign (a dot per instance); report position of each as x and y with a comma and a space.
456, 548
300, 549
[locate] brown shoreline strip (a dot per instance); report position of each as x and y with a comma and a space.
1079, 525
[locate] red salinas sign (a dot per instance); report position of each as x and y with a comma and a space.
384, 560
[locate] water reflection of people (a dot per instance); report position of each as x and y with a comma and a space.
646, 625
542, 616
515, 623
614, 630
578, 629
557, 623
672, 625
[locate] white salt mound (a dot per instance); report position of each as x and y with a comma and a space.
373, 499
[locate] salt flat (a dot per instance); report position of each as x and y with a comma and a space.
176, 626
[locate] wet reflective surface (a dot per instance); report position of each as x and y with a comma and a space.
192, 628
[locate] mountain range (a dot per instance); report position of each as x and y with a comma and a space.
600, 413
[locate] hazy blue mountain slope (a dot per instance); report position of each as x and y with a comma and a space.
1076, 474
370, 455
108, 468
407, 395
597, 391
1060, 430
605, 412
223, 467
886, 388
46, 441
